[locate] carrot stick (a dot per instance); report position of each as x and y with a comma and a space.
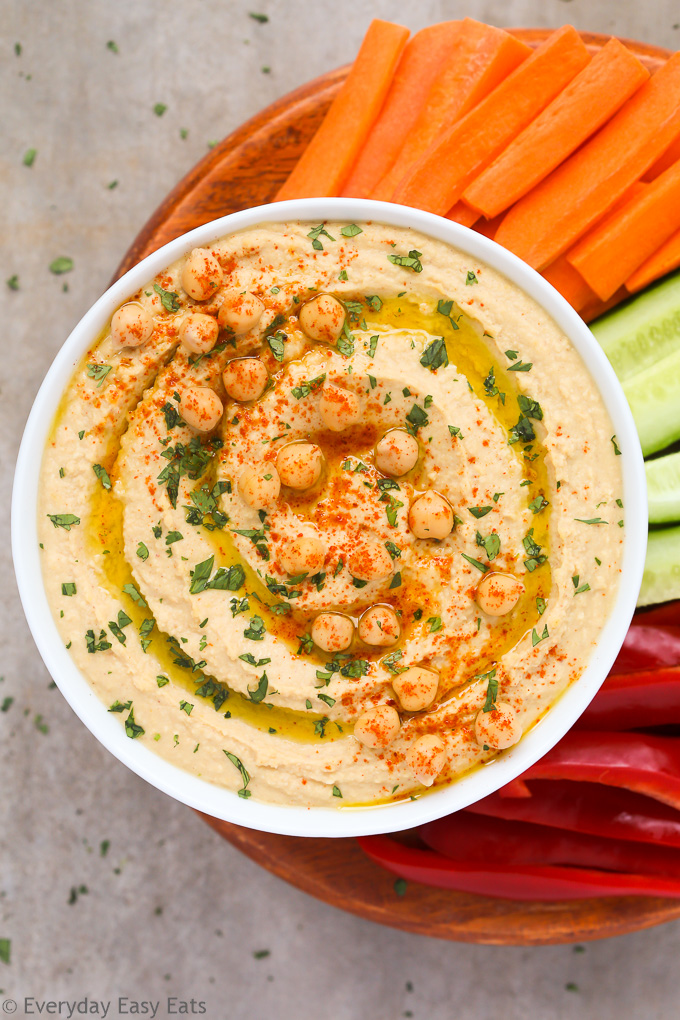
420, 63
592, 97
326, 162
596, 308
488, 227
483, 57
468, 145
558, 212
620, 243
571, 285
462, 213
666, 159
664, 260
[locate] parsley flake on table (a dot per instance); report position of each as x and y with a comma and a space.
111, 45
13, 282
62, 264
29, 157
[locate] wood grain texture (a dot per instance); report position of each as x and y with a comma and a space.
242, 171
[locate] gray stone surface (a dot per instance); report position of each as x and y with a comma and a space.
171, 910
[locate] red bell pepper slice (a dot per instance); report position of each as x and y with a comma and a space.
667, 614
648, 646
499, 842
513, 882
635, 700
588, 807
635, 761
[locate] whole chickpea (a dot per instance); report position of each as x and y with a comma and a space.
396, 453
379, 626
131, 325
322, 318
370, 560
498, 594
499, 728
431, 516
303, 555
201, 408
332, 632
339, 408
300, 465
198, 332
426, 758
245, 379
201, 274
240, 311
416, 688
259, 486
377, 727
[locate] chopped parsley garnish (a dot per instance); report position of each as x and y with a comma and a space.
96, 645
540, 605
455, 431
65, 521
351, 230
393, 550
226, 578
535, 639
342, 275
479, 511
336, 791
244, 791
533, 551
372, 347
444, 308
142, 551
260, 691
435, 355
396, 581
416, 419
491, 689
579, 588
102, 474
520, 366
617, 452
590, 520
490, 387
171, 415
205, 506
435, 623
491, 544
276, 344
306, 388
135, 595
374, 302
189, 459
470, 278
346, 344
315, 233
169, 299
355, 668
512, 355
255, 631
538, 504
68, 588
98, 372
162, 680
410, 261
475, 563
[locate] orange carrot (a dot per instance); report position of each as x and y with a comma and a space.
610, 252
597, 308
468, 145
666, 159
592, 97
548, 220
571, 285
664, 260
487, 227
462, 213
482, 58
420, 63
326, 162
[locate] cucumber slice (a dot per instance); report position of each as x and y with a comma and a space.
661, 579
663, 488
654, 398
647, 328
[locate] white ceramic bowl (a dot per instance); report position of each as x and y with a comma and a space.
222, 803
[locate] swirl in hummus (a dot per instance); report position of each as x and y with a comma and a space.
330, 514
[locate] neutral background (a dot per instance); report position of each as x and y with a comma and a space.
171, 909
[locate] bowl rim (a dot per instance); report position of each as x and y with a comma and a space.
296, 820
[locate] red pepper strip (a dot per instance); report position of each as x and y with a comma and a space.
588, 807
519, 882
665, 615
499, 841
515, 788
634, 761
632, 700
648, 647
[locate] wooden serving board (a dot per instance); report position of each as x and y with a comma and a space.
242, 171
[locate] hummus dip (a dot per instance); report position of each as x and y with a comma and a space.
330, 514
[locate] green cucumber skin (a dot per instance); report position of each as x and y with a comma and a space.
661, 579
663, 488
654, 399
642, 331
